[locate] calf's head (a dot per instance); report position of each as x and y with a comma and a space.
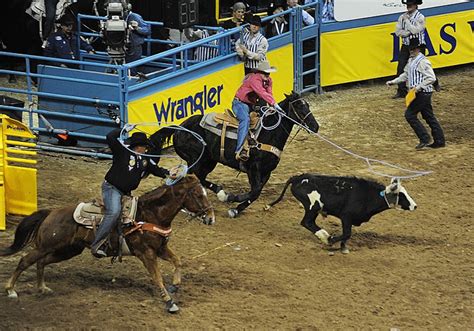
397, 196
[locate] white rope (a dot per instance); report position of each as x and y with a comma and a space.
267, 111
173, 127
369, 161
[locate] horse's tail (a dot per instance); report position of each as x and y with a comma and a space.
25, 232
288, 182
159, 138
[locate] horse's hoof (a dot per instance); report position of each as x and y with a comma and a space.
172, 289
45, 290
345, 250
222, 196
233, 213
12, 294
171, 307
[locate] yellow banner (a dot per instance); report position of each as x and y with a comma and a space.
372, 52
210, 93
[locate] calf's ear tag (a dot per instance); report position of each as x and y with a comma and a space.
382, 193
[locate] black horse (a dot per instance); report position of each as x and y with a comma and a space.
264, 156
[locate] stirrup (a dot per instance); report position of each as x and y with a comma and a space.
243, 155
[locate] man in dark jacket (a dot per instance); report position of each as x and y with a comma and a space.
128, 168
63, 43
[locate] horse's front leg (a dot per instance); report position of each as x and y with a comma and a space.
168, 255
150, 261
257, 181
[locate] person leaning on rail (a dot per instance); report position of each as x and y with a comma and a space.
420, 76
63, 43
128, 169
256, 84
139, 30
307, 18
252, 46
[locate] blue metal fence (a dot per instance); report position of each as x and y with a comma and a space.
87, 103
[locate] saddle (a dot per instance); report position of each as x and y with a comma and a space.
225, 125
90, 214
228, 118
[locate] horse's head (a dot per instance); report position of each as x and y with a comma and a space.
195, 200
298, 110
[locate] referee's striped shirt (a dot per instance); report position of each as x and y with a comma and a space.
416, 16
415, 76
256, 44
208, 51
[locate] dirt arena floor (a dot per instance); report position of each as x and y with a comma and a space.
406, 270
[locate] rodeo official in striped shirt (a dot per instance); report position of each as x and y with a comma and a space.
411, 24
252, 45
420, 76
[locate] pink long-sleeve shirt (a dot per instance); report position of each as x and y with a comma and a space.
260, 85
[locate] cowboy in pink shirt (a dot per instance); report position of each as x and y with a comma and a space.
257, 84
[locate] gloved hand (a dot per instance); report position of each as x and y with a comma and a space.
277, 107
388, 83
129, 127
134, 25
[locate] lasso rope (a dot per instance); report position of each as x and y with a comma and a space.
369, 161
173, 127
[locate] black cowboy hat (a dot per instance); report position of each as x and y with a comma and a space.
255, 20
65, 20
274, 5
412, 2
138, 139
414, 43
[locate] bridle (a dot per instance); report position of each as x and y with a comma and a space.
202, 208
302, 121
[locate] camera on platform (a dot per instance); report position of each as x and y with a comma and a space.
115, 30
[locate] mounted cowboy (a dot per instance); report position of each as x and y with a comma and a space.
128, 169
255, 85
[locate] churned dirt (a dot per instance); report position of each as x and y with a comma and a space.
406, 270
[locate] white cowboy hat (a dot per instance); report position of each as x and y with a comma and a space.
264, 66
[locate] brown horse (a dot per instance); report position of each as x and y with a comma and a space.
57, 237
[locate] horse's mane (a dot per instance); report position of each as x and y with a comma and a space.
156, 195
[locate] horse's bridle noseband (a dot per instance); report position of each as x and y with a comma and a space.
202, 209
302, 121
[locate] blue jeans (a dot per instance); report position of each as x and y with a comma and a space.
113, 206
241, 111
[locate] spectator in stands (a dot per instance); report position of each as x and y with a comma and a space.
139, 29
307, 18
410, 25
420, 76
238, 11
63, 43
327, 14
257, 84
252, 46
279, 24
204, 52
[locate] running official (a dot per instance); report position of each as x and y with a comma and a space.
420, 76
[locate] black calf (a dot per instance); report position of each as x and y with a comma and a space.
352, 200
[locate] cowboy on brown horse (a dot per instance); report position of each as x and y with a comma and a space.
128, 168
55, 236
